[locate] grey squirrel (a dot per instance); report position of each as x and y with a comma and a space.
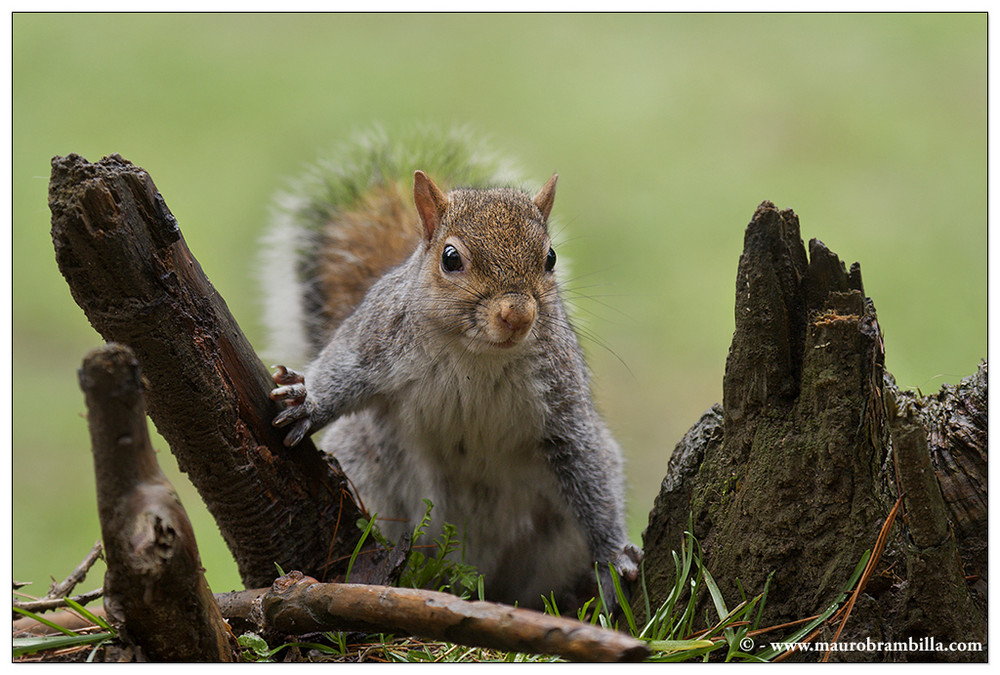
447, 367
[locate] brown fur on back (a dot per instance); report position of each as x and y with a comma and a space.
362, 244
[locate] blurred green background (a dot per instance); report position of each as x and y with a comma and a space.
666, 130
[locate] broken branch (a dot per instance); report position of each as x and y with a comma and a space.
155, 589
46, 604
130, 270
66, 586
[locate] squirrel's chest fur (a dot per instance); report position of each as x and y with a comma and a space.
475, 415
465, 431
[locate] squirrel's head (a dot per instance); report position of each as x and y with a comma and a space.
489, 259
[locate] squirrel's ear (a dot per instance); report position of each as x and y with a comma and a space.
431, 203
543, 200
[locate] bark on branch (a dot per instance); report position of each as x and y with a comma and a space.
155, 589
130, 270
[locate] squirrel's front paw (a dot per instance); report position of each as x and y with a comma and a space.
291, 391
627, 562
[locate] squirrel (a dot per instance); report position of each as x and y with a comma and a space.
445, 367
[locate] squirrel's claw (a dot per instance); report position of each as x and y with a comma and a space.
286, 376
292, 394
297, 418
291, 387
627, 562
297, 433
293, 414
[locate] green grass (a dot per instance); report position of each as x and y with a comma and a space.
666, 130
671, 631
25, 646
674, 630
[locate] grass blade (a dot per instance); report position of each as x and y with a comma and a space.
41, 619
25, 646
89, 616
772, 653
717, 599
678, 645
623, 601
357, 548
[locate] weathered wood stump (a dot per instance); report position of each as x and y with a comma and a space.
795, 472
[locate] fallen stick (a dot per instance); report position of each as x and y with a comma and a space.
297, 604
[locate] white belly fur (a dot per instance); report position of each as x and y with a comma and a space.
473, 447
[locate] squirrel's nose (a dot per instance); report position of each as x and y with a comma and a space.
517, 312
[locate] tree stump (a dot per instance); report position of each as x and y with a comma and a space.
795, 473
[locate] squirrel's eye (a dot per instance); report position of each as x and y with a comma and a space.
550, 260
451, 259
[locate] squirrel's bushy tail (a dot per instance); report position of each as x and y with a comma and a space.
350, 218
